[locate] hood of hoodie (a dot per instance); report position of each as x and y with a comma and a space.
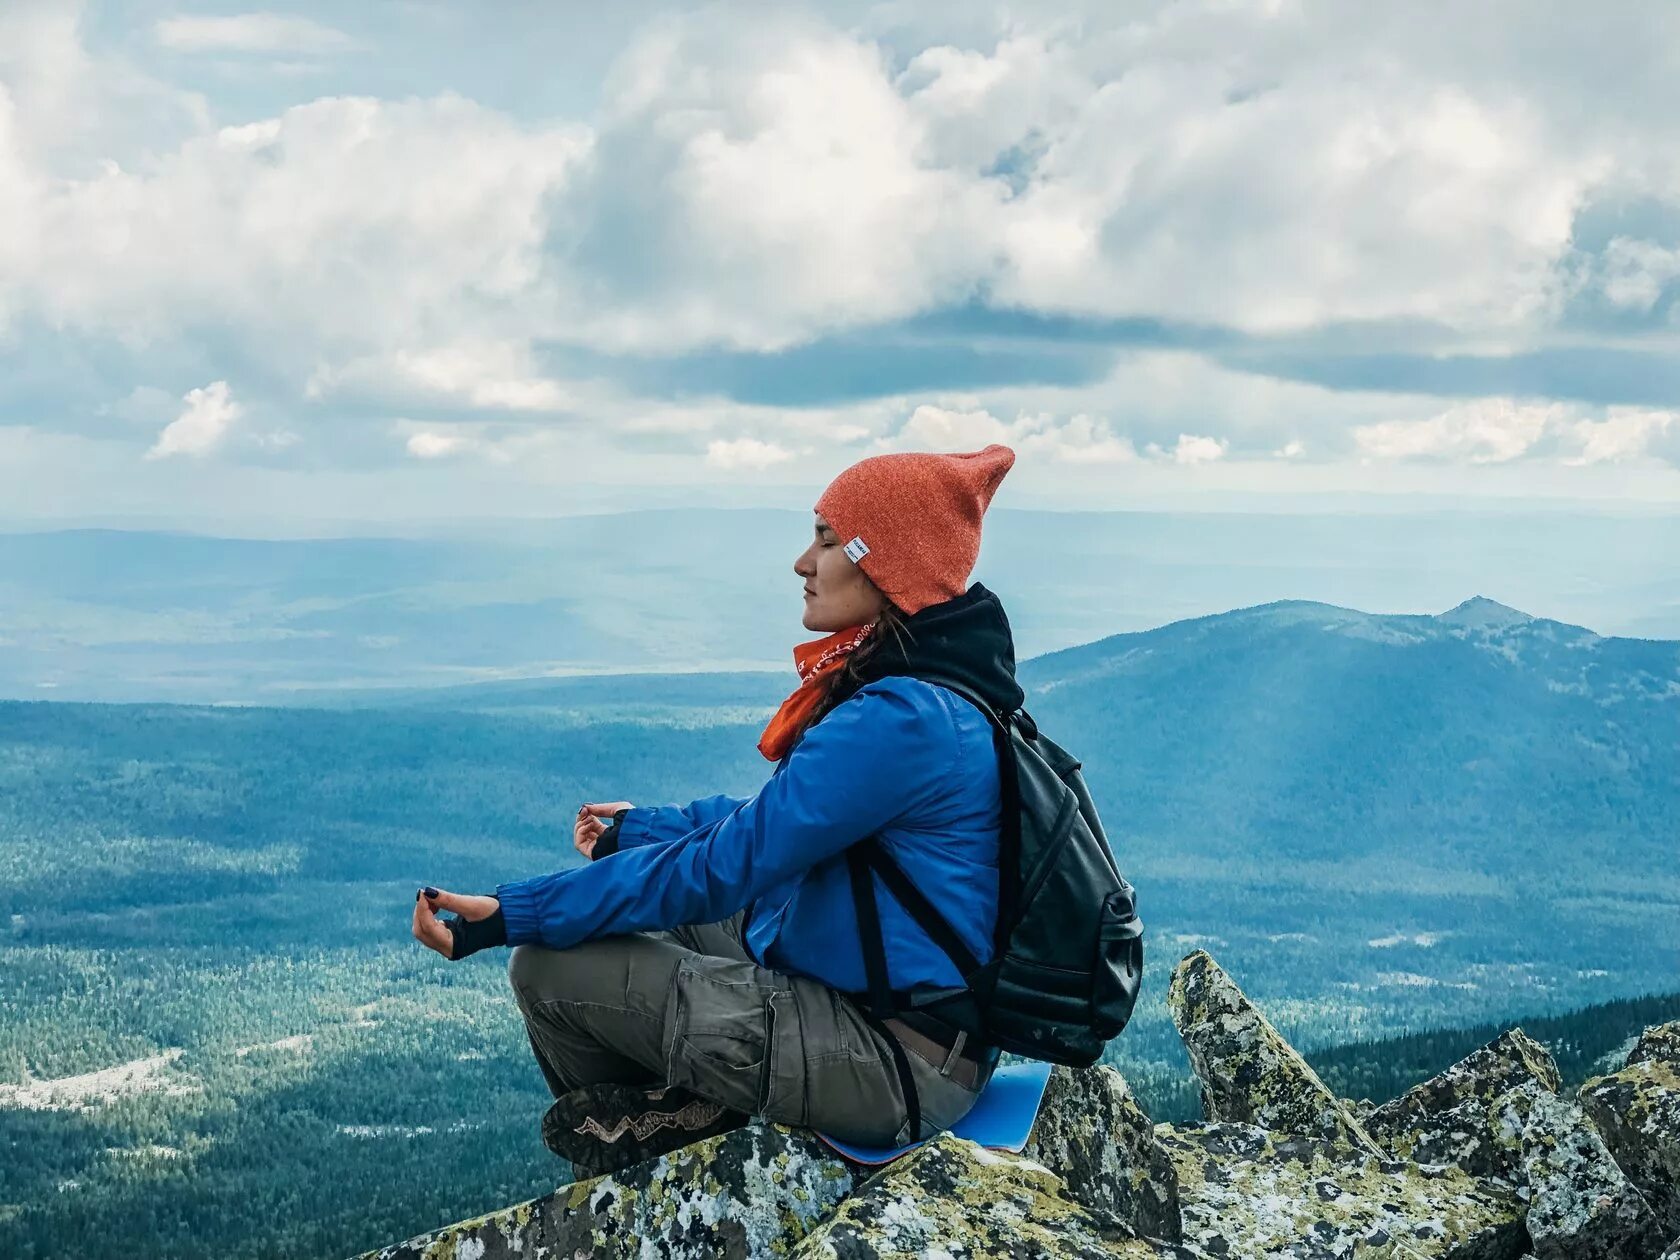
966, 640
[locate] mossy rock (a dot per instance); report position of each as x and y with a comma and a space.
1249, 1194
752, 1192
1249, 1073
953, 1198
1637, 1111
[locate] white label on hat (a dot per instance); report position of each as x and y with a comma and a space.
857, 549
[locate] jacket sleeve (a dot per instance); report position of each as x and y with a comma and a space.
879, 755
661, 824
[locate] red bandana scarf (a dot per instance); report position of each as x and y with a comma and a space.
814, 660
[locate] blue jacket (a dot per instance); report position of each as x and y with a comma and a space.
901, 757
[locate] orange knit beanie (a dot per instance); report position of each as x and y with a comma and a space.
911, 521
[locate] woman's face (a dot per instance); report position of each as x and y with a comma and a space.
838, 594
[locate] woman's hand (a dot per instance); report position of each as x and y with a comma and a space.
432, 932
588, 827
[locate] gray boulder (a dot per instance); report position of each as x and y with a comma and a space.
1247, 1194
1658, 1044
952, 1198
753, 1192
1637, 1111
1092, 1134
1581, 1205
1249, 1073
1446, 1119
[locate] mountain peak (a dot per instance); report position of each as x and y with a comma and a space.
1483, 612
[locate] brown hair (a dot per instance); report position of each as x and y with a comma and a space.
849, 677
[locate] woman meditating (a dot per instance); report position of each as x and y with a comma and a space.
708, 963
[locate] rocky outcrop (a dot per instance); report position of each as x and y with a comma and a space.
1246, 1192
1448, 1119
753, 1192
1486, 1161
1581, 1204
1637, 1110
951, 1194
1658, 1044
1094, 1136
1250, 1074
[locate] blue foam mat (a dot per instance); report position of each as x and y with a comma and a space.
1001, 1118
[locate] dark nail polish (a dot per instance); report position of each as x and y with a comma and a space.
431, 892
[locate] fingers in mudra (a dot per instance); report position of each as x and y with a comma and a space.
428, 929
434, 932
591, 823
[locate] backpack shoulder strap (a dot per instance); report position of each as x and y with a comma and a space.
1009, 784
923, 911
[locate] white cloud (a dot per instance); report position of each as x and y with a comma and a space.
1080, 438
1635, 272
201, 426
756, 182
249, 32
1625, 433
1486, 430
344, 229
493, 375
425, 445
1499, 430
1195, 449
745, 452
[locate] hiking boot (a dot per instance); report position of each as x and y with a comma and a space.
603, 1128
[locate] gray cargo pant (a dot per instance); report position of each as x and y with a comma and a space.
687, 1007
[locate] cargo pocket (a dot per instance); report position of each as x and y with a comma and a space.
785, 1097
719, 1045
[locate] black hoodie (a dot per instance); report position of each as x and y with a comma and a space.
966, 640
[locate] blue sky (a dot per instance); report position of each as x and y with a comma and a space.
421, 260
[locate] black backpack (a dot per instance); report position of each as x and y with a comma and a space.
1068, 952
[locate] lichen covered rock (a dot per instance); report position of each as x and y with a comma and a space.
1660, 1043
953, 1198
1246, 1194
1637, 1111
1092, 1134
1581, 1205
753, 1192
1446, 1119
1249, 1073
1482, 1162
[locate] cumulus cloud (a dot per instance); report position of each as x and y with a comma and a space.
1635, 272
428, 445
249, 32
1080, 438
492, 375
755, 180
1193, 448
746, 452
201, 426
759, 183
1625, 433
1487, 430
1498, 430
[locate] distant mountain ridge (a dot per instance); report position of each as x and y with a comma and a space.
132, 616
1330, 733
